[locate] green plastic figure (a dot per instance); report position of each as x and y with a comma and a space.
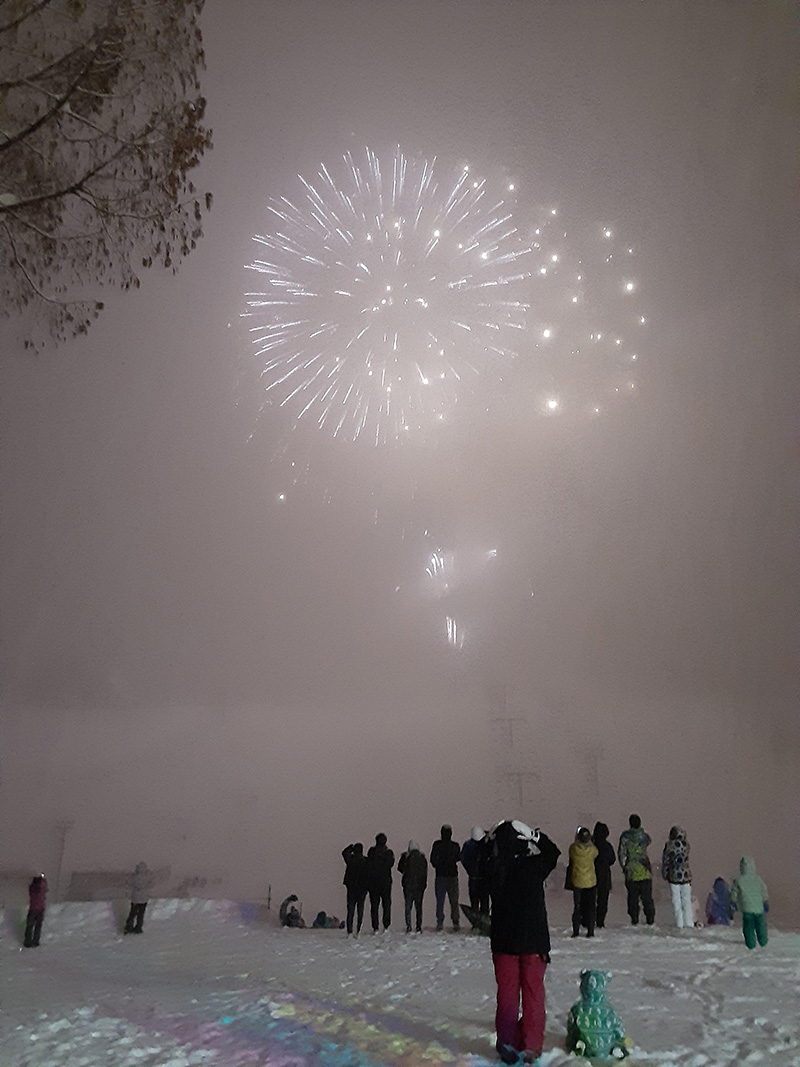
593, 1027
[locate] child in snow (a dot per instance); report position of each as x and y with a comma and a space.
749, 894
289, 915
719, 909
37, 894
323, 921
675, 870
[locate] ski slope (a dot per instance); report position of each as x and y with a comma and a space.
218, 983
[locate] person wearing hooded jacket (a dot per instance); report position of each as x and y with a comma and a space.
413, 866
141, 884
445, 854
719, 909
603, 862
675, 870
521, 860
749, 894
355, 882
635, 863
582, 854
380, 861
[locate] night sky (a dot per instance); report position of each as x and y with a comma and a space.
231, 666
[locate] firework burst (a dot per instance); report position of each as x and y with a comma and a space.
586, 323
386, 292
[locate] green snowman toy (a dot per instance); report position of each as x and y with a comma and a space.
593, 1027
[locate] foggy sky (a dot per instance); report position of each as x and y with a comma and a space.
247, 673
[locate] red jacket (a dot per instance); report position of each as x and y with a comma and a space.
37, 894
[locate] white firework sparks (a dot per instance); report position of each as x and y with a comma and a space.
385, 291
586, 324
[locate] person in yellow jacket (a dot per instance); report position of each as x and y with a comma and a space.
583, 882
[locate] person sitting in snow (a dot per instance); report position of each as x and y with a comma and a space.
37, 897
289, 915
323, 921
719, 908
635, 864
521, 860
749, 894
414, 868
675, 870
141, 884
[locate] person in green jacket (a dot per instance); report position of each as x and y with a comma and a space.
749, 894
635, 863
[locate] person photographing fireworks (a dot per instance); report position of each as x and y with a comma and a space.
521, 859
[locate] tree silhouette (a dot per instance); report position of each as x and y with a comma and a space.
101, 121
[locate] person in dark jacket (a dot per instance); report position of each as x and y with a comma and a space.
445, 854
355, 881
719, 907
474, 857
414, 868
289, 915
380, 861
521, 861
604, 861
37, 899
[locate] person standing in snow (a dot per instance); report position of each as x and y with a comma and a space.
380, 861
675, 870
635, 863
719, 909
141, 884
474, 855
355, 880
445, 854
37, 898
582, 854
749, 894
414, 868
521, 859
604, 861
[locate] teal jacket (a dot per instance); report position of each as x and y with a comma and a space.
748, 890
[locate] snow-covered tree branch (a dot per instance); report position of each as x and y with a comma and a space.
101, 121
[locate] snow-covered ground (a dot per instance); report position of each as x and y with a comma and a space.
217, 983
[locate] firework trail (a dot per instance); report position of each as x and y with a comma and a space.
385, 292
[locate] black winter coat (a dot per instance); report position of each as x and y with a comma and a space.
516, 885
380, 860
355, 870
603, 862
444, 858
414, 868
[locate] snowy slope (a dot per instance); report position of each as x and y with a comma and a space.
217, 983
